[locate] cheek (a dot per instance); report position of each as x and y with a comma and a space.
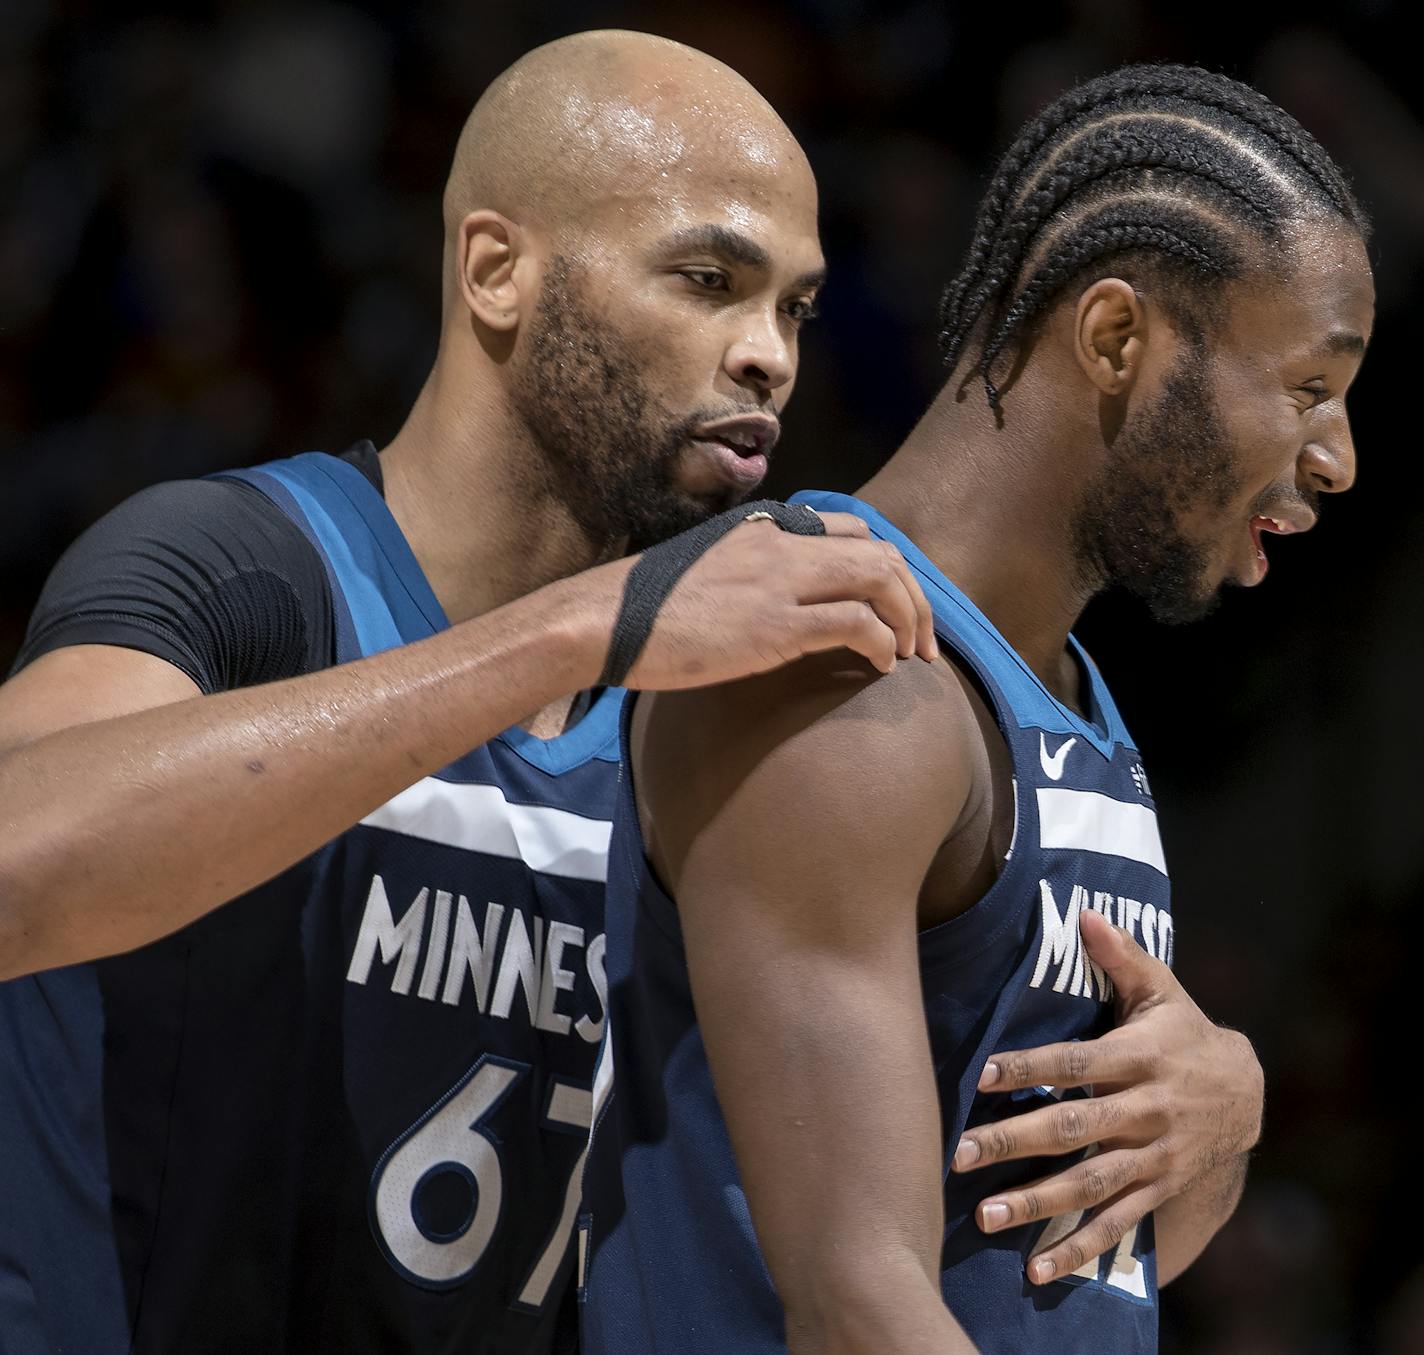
782, 394
672, 355
1262, 424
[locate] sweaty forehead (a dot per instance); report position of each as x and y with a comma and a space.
676, 141
608, 132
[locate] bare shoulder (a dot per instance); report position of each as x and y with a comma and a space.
824, 749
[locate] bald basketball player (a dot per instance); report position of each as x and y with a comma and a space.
301, 1055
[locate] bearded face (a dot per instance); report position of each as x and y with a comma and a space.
612, 450
1171, 465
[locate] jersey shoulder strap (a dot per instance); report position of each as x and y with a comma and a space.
380, 594
1019, 695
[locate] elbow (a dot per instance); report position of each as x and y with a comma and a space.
18, 955
863, 1306
27, 943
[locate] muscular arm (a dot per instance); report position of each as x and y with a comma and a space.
819, 801
131, 805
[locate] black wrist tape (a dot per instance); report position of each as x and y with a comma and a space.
661, 566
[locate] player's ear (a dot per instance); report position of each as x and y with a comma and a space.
494, 269
1110, 335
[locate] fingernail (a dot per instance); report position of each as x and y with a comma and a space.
1042, 1269
989, 1076
966, 1154
995, 1215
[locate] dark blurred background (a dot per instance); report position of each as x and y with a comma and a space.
220, 241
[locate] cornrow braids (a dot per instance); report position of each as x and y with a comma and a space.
1181, 169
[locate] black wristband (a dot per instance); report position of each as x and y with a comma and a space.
661, 566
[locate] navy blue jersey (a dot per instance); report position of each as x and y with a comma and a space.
672, 1259
347, 1111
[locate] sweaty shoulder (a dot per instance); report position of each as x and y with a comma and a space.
825, 755
208, 575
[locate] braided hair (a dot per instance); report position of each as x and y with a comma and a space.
1185, 176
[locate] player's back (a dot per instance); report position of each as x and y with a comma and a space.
673, 1258
346, 1111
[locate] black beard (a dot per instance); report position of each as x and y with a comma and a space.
1165, 464
611, 451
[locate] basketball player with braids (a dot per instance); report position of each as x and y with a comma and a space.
840, 904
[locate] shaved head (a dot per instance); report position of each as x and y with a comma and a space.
583, 124
630, 252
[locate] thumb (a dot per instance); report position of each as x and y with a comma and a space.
1138, 978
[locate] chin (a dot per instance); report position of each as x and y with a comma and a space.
671, 515
1182, 609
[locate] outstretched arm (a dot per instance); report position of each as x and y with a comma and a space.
132, 805
806, 833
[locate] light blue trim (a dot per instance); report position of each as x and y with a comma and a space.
390, 600
1033, 705
367, 550
595, 736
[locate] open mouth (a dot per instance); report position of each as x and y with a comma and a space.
738, 448
743, 466
1260, 525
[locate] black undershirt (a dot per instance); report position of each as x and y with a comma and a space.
207, 574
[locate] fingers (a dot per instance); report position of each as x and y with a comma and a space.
1083, 1186
1098, 1234
764, 598
847, 625
926, 646
1111, 1058
1060, 1129
870, 571
1138, 978
844, 524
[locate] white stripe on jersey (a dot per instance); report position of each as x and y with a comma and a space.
480, 819
1085, 821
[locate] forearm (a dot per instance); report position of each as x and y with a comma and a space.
120, 831
863, 1305
1188, 1221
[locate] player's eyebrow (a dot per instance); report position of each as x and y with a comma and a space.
1341, 341
734, 247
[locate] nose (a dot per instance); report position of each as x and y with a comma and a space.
1327, 464
759, 354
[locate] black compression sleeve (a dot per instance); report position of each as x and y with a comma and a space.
661, 566
206, 574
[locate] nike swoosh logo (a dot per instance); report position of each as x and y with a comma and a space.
1053, 766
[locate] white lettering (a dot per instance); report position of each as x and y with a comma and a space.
529, 956
1149, 929
556, 980
435, 947
592, 1031
472, 953
1134, 911
378, 928
1060, 938
521, 963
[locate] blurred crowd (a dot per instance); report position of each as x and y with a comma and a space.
220, 242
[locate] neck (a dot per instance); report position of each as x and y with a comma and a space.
464, 482
991, 506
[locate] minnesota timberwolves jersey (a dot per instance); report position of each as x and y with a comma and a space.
370, 1133
672, 1263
